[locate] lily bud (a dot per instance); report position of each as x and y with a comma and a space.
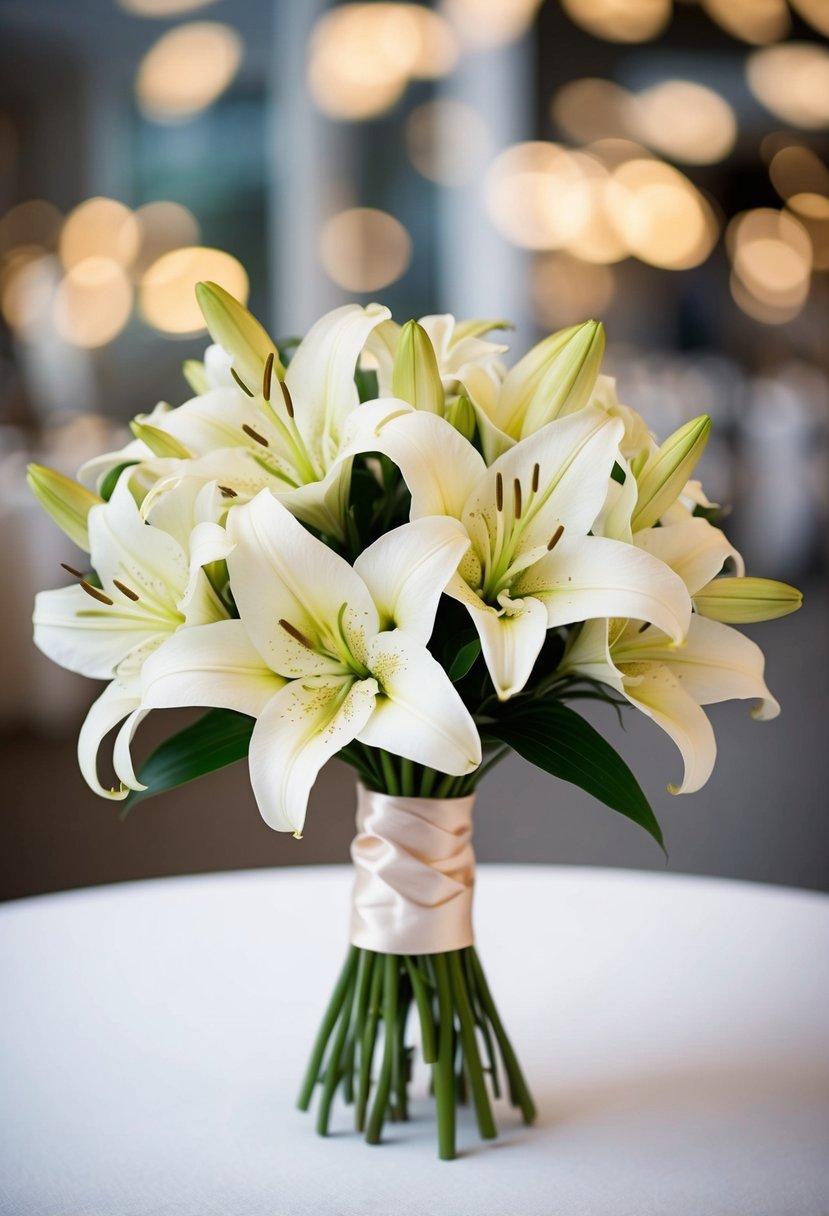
415, 374
65, 501
241, 335
461, 415
558, 376
158, 441
664, 476
740, 601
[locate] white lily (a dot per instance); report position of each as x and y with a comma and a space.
289, 431
531, 564
671, 684
458, 346
151, 585
324, 653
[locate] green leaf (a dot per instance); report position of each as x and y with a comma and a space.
111, 480
558, 740
618, 473
219, 738
366, 381
464, 659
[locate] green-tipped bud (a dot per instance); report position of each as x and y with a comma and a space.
65, 501
461, 414
555, 378
195, 376
664, 476
241, 335
158, 441
415, 374
739, 601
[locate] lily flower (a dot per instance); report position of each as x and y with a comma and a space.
531, 564
324, 653
148, 586
290, 431
668, 683
457, 346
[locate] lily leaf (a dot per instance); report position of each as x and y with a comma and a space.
558, 740
463, 660
111, 480
219, 738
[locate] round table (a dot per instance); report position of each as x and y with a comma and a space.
675, 1032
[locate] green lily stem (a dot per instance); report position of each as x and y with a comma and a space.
444, 1069
328, 1023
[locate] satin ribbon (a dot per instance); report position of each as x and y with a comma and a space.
414, 874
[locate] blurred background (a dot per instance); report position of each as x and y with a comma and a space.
660, 164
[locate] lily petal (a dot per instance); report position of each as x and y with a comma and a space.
657, 692
591, 576
511, 638
301, 728
118, 700
695, 549
439, 466
419, 714
407, 569
90, 638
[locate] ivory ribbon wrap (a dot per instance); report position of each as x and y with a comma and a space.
415, 870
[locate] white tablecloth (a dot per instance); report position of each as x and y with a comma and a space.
675, 1032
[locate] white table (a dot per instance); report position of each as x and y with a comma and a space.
675, 1032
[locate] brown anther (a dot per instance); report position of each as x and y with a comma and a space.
642, 628
266, 379
95, 593
516, 495
536, 477
296, 635
240, 382
71, 570
255, 435
556, 537
227, 492
289, 405
499, 492
125, 590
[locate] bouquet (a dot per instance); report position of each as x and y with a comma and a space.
379, 543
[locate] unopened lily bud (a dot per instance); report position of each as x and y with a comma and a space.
740, 601
664, 476
415, 374
158, 441
241, 335
461, 414
64, 500
560, 376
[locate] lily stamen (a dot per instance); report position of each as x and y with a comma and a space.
555, 538
293, 632
125, 590
289, 405
71, 570
499, 492
255, 434
227, 492
240, 382
643, 627
96, 594
266, 378
536, 477
516, 489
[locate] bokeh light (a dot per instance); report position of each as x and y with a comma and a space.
771, 256
100, 228
34, 224
565, 290
27, 288
448, 142
663, 218
686, 121
162, 8
363, 249
490, 23
167, 292
795, 169
620, 20
93, 302
755, 21
591, 108
163, 226
792, 81
187, 69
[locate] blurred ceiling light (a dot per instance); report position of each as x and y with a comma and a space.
620, 20
796, 170
28, 287
760, 310
164, 226
594, 235
756, 21
765, 223
187, 69
162, 8
100, 228
771, 255
536, 194
488, 23
661, 215
362, 56
362, 249
167, 292
816, 12
92, 303
813, 206
686, 121
592, 108
566, 291
33, 223
613, 152
792, 81
448, 142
